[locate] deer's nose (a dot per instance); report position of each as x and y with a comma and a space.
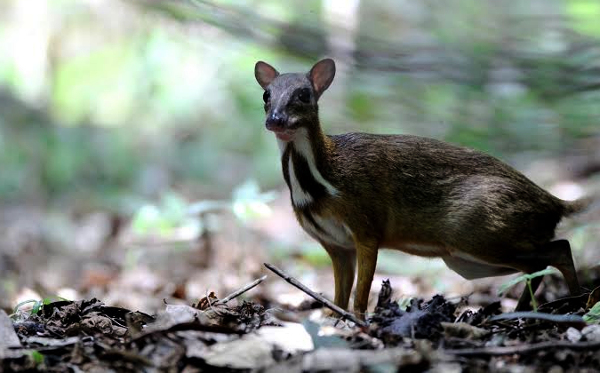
276, 121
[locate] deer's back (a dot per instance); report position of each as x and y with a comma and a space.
425, 189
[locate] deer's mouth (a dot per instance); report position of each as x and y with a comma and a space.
284, 134
283, 126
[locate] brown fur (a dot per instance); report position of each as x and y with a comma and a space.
415, 194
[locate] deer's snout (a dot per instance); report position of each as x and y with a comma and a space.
276, 121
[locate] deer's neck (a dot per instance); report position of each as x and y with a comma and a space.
306, 167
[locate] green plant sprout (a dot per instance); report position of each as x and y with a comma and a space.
37, 357
527, 279
593, 315
404, 302
37, 304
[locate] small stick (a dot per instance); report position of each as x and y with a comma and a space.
345, 314
524, 349
567, 319
240, 291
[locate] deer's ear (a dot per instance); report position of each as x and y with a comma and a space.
264, 73
321, 75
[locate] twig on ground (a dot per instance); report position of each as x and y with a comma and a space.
524, 349
240, 291
327, 303
562, 319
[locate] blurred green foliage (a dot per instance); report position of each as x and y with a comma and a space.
174, 212
585, 15
111, 99
163, 219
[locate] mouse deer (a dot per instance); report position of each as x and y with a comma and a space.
356, 193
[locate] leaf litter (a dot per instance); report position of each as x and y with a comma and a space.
243, 336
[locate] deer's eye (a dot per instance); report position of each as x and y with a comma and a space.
304, 95
266, 96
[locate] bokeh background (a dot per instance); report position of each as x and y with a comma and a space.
134, 163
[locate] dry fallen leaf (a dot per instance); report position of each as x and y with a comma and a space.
463, 330
249, 352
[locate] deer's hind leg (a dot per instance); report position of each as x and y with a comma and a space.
561, 258
557, 254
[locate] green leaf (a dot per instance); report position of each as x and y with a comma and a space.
51, 299
593, 315
523, 278
36, 308
37, 357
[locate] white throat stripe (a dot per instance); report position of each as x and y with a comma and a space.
303, 147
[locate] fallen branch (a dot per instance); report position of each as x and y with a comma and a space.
240, 291
524, 349
327, 303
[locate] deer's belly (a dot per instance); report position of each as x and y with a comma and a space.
470, 268
327, 230
415, 247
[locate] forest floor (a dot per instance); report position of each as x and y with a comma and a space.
156, 303
436, 335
